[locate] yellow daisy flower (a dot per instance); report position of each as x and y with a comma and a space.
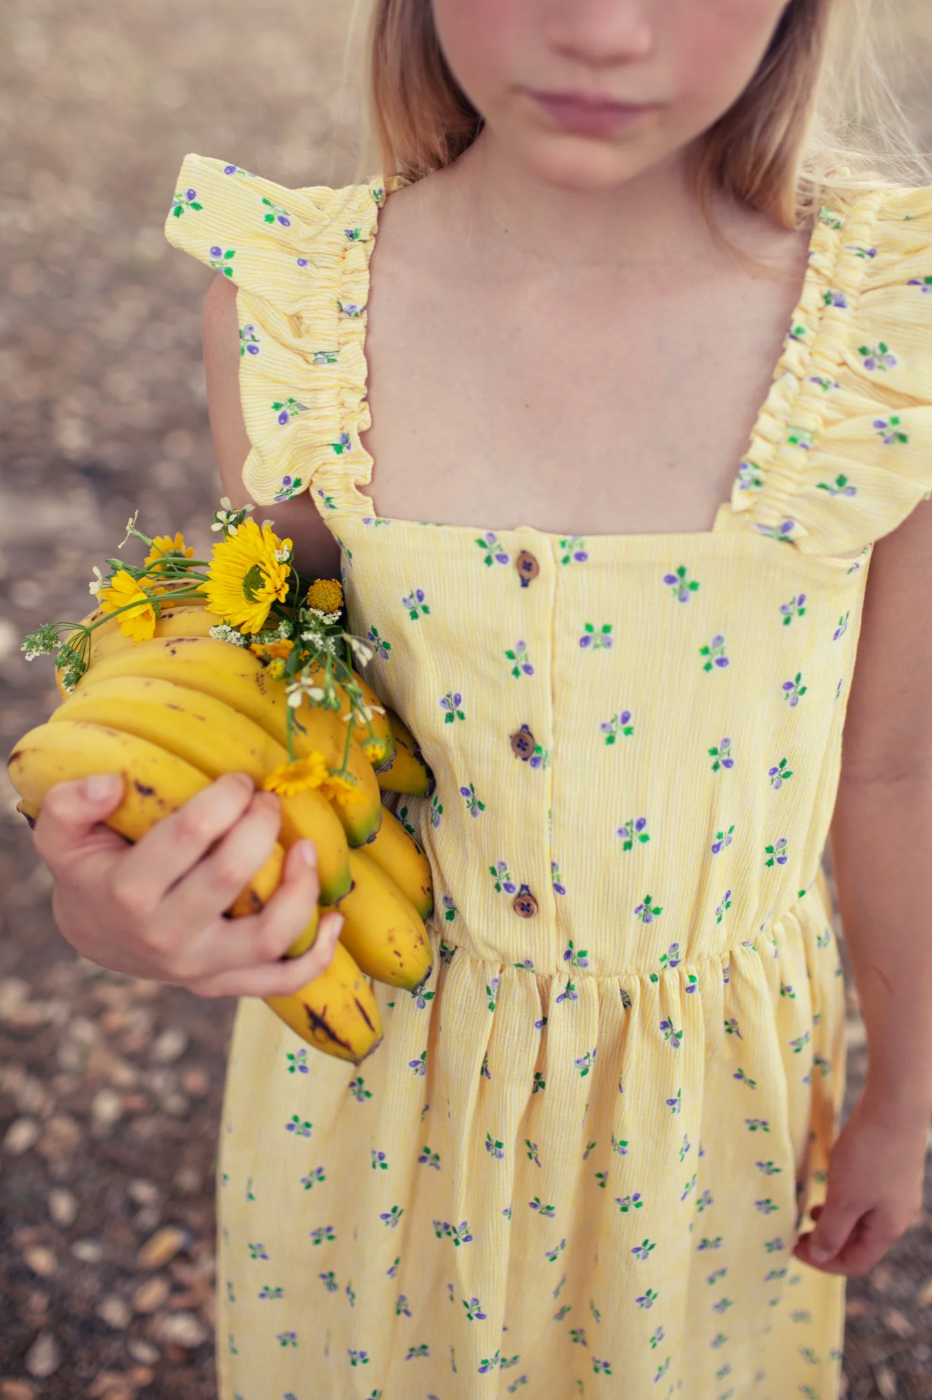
326, 594
137, 622
247, 573
271, 651
163, 544
374, 749
342, 790
289, 779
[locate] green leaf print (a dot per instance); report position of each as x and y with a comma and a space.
357, 1089
414, 602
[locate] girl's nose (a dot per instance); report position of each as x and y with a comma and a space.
600, 33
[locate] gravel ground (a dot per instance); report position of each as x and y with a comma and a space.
110, 1089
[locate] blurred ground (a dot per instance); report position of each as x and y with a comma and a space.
110, 1089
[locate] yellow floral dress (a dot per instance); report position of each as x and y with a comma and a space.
578, 1162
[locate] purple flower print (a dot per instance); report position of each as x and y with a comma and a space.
625, 998
391, 1217
628, 1203
526, 965
489, 1363
824, 382
877, 357
620, 1145
671, 1035
841, 486
600, 1367
539, 1025
618, 724
324, 1234
451, 703
494, 552
725, 904
429, 1159
835, 298
313, 1177
420, 1064
329, 1280
299, 1126
575, 958
558, 887
569, 993
842, 627
742, 1078
491, 992
750, 477
519, 657
923, 283
794, 608
595, 640
350, 308
495, 1147
553, 1254
768, 1168
704, 1201
793, 691
288, 409
382, 647
731, 1028
220, 260
781, 533
646, 911
290, 487
484, 1071
779, 774
184, 200
547, 1212
722, 839
889, 428
379, 1159
574, 550
632, 831
648, 1299
358, 1090
578, 1335
357, 1358
680, 584
414, 604
474, 1311
676, 1103
278, 214
248, 341
342, 444
777, 853
503, 880
532, 1151
322, 357
715, 653
257, 1251
298, 1062
473, 805
721, 755
766, 1206
584, 1062
643, 1250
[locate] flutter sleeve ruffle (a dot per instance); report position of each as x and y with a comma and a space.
842, 451
299, 259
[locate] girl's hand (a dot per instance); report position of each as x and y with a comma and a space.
155, 909
874, 1191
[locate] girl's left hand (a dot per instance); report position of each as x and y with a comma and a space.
874, 1189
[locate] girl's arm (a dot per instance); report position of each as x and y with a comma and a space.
881, 844
316, 551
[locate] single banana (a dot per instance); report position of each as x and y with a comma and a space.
232, 673
405, 771
156, 783
107, 637
402, 858
380, 727
213, 737
381, 927
336, 1012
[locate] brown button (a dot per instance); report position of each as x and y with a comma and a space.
523, 742
524, 903
527, 566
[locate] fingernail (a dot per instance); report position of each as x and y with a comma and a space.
307, 853
242, 781
99, 786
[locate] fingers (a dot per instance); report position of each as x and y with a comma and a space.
219, 876
70, 811
822, 1246
257, 967
171, 848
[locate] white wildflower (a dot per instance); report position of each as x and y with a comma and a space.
363, 651
223, 632
96, 584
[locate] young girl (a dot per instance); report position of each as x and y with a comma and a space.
614, 583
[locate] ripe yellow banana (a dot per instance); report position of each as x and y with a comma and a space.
380, 726
186, 617
156, 782
233, 674
402, 858
336, 1012
405, 771
381, 927
216, 739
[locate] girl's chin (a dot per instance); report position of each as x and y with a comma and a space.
580, 164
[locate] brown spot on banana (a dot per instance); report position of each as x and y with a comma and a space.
364, 1014
319, 1023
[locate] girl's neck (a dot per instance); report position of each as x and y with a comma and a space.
509, 219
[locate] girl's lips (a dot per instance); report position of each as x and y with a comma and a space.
589, 118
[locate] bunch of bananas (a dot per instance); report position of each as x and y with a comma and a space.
173, 713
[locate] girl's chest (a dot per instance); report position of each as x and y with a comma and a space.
618, 412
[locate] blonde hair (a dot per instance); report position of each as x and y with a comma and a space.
819, 116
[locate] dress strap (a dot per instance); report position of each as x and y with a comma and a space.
300, 262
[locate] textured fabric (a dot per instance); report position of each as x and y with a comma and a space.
580, 1158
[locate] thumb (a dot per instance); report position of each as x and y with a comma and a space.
834, 1224
70, 811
